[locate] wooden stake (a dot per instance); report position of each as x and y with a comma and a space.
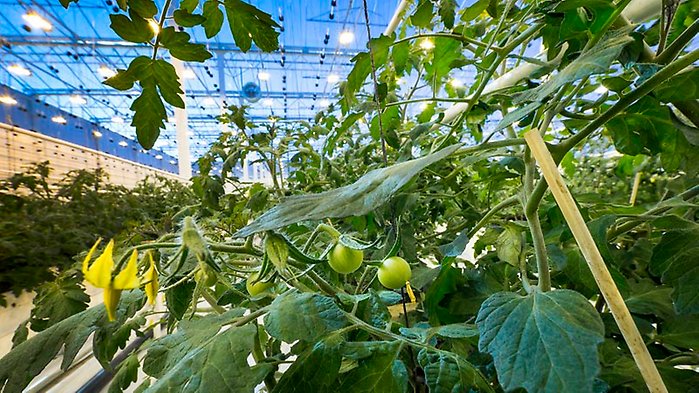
594, 259
634, 189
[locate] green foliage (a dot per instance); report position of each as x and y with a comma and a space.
65, 218
543, 342
29, 358
422, 186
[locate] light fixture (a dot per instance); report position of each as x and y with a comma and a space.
333, 78
158, 157
123, 143
423, 106
263, 75
209, 101
154, 26
171, 119
59, 119
268, 102
272, 119
173, 162
18, 69
188, 73
8, 100
601, 90
324, 103
97, 134
77, 100
456, 83
346, 37
105, 71
427, 44
117, 120
37, 21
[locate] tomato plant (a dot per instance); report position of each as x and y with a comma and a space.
505, 299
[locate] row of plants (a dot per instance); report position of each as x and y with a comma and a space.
45, 224
348, 273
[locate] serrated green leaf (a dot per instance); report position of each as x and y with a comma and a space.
179, 298
218, 364
186, 19
445, 51
369, 192
682, 332
450, 374
149, 116
681, 87
373, 311
248, 24
144, 8
134, 29
676, 260
189, 5
314, 371
542, 342
509, 244
177, 42
447, 10
456, 247
648, 298
166, 352
214, 18
303, 316
378, 368
168, 82
107, 342
56, 301
362, 66
21, 334
474, 10
126, 374
423, 14
28, 359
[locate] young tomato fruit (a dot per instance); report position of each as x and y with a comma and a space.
345, 260
256, 287
394, 272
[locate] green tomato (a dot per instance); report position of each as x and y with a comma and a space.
255, 286
344, 259
394, 272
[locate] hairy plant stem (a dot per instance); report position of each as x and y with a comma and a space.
244, 249
534, 224
161, 23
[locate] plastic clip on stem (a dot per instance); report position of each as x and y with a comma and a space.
604, 280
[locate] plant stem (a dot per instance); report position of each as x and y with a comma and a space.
457, 37
228, 248
678, 44
161, 23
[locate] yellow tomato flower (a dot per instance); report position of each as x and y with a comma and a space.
150, 280
99, 274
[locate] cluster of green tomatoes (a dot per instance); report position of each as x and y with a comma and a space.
393, 273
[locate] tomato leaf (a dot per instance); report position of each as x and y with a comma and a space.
56, 301
681, 87
149, 116
202, 359
303, 316
248, 24
445, 373
126, 374
447, 9
682, 332
366, 194
214, 18
542, 342
28, 359
186, 19
135, 29
675, 260
316, 370
378, 369
177, 42
144, 8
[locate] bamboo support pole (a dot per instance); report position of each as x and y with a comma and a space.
634, 189
594, 260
